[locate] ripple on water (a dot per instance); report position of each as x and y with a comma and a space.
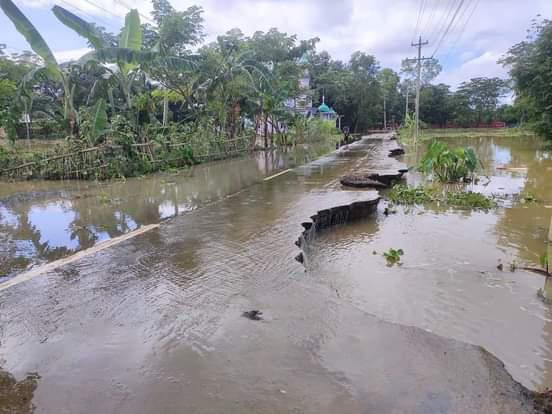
445, 285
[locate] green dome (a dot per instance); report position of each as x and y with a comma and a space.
324, 108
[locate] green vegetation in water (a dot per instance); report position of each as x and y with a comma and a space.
409, 195
469, 199
459, 133
403, 194
449, 165
529, 198
393, 256
544, 262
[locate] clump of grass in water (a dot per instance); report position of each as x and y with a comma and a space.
402, 194
544, 262
393, 256
469, 199
406, 195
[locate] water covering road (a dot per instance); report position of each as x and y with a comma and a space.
154, 324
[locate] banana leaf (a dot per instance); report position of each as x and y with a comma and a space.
130, 39
83, 28
33, 37
98, 119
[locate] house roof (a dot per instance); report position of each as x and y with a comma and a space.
324, 108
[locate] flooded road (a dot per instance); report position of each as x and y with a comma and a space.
41, 221
155, 323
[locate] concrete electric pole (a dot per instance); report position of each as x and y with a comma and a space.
418, 61
384, 113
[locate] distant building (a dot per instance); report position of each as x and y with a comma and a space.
302, 103
325, 112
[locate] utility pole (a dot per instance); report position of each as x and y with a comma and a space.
406, 109
384, 113
418, 79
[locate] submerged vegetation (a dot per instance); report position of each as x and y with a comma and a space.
449, 165
410, 195
459, 133
393, 256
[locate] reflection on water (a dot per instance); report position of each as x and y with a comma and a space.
449, 282
16, 397
44, 221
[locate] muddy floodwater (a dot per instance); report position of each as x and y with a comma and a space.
449, 282
155, 324
41, 221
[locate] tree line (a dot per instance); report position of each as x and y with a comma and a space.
156, 77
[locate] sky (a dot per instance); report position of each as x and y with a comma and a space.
481, 33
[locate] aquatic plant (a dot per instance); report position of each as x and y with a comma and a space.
544, 262
449, 165
403, 194
409, 195
469, 199
393, 256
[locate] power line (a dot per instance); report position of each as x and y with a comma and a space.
122, 4
448, 27
420, 10
440, 27
90, 16
109, 12
427, 26
140, 14
475, 4
458, 23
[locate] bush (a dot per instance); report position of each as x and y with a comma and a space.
405, 195
449, 165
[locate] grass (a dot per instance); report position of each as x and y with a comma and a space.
402, 194
408, 195
430, 134
469, 199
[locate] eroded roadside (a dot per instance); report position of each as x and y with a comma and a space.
154, 324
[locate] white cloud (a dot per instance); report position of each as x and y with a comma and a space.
72, 54
380, 27
473, 68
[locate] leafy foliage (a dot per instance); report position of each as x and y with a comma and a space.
408, 195
469, 199
448, 165
393, 256
26, 28
402, 194
83, 28
531, 71
544, 261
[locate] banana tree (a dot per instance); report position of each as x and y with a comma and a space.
128, 54
51, 67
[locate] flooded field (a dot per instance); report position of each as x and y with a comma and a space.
449, 282
155, 323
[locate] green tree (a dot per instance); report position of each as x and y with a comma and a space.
531, 70
431, 68
483, 96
